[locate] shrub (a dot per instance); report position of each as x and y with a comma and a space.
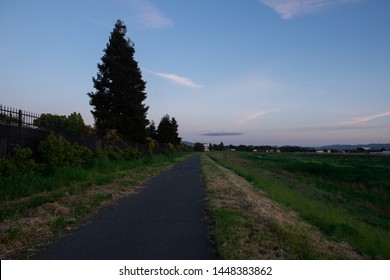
131, 154
56, 152
6, 167
115, 153
19, 163
109, 152
112, 136
23, 161
151, 145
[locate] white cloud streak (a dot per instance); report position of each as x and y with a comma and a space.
365, 119
288, 9
150, 16
176, 79
253, 116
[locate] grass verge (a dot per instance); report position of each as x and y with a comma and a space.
31, 219
247, 224
345, 215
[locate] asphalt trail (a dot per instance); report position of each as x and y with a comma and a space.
164, 221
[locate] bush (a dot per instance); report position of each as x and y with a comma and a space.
109, 152
23, 160
116, 153
56, 152
151, 145
131, 154
19, 163
6, 167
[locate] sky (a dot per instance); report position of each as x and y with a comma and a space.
253, 72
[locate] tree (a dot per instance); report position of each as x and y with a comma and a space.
175, 132
75, 124
167, 131
152, 131
120, 89
72, 124
198, 147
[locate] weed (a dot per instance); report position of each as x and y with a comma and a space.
58, 224
13, 234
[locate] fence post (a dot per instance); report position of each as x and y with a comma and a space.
20, 119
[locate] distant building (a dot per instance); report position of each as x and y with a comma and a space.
206, 147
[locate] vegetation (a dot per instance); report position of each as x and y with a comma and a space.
247, 224
345, 197
36, 207
8, 119
61, 182
120, 90
198, 147
56, 152
72, 124
167, 131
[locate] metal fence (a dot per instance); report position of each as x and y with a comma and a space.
17, 117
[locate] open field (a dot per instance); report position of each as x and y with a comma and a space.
344, 197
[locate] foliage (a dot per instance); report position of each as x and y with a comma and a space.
167, 131
198, 147
8, 119
72, 125
21, 162
75, 124
152, 131
220, 147
57, 152
112, 152
130, 153
151, 145
112, 137
120, 89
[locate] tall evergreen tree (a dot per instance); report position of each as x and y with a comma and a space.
152, 131
120, 89
167, 131
164, 130
175, 132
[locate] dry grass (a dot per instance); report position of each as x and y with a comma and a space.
23, 234
35, 227
249, 225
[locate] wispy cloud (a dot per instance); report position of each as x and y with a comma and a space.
288, 9
176, 79
253, 116
364, 119
150, 16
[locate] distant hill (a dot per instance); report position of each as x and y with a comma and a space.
187, 143
354, 147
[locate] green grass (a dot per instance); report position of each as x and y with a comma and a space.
32, 190
346, 197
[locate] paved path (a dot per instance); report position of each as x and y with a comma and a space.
165, 220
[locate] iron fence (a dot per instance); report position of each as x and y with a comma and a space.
17, 117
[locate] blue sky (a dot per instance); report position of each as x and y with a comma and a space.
277, 72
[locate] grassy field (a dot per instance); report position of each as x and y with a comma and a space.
345, 197
35, 209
